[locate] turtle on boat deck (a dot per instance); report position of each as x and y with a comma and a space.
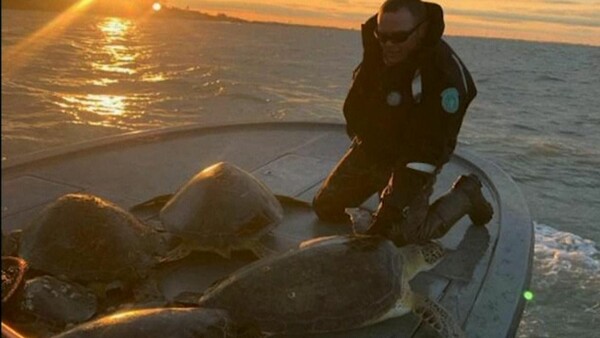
91, 241
221, 209
163, 322
330, 284
42, 303
84, 254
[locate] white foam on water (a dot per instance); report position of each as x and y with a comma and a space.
558, 252
566, 284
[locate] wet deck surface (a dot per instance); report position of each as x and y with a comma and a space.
480, 283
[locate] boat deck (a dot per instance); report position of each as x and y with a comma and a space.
480, 283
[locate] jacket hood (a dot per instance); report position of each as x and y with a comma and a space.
371, 47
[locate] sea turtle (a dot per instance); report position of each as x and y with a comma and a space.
221, 209
89, 240
329, 284
13, 272
162, 322
43, 304
56, 301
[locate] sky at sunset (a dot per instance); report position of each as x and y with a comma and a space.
572, 21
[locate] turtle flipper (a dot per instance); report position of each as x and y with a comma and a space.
261, 250
179, 252
434, 315
154, 204
292, 201
187, 298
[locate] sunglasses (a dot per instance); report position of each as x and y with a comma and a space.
395, 37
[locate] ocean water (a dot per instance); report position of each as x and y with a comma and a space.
69, 79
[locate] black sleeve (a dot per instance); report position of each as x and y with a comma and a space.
362, 121
354, 106
437, 120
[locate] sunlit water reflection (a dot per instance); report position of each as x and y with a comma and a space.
112, 55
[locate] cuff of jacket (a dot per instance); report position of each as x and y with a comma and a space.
422, 167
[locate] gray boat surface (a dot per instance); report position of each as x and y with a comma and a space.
480, 283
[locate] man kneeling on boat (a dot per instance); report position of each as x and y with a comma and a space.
403, 113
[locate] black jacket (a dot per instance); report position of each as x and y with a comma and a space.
435, 89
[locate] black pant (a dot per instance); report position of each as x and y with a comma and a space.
404, 213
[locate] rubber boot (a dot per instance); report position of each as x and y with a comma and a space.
403, 207
465, 198
421, 223
481, 210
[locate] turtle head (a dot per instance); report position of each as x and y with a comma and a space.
419, 258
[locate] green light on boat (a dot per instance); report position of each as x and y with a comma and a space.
528, 295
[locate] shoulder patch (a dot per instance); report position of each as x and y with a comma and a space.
450, 100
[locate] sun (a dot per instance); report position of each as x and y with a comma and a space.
156, 6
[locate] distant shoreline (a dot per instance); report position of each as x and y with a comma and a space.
165, 12
190, 14
131, 9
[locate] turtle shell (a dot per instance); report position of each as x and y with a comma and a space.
159, 322
57, 301
339, 283
86, 238
222, 205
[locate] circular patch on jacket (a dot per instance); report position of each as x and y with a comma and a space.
450, 101
394, 99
